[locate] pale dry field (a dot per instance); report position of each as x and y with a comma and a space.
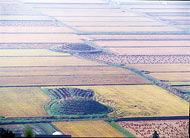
65, 1
97, 128
139, 100
92, 79
178, 83
35, 29
172, 76
142, 43
22, 102
40, 38
105, 19
87, 14
45, 61
151, 50
165, 10
65, 70
30, 52
127, 29
157, 6
113, 24
149, 37
161, 67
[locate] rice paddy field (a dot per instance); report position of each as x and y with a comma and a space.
22, 102
59, 59
167, 72
88, 129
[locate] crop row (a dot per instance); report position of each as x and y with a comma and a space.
140, 59
165, 128
65, 93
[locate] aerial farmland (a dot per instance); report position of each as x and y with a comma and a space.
95, 68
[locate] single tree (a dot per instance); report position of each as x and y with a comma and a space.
155, 135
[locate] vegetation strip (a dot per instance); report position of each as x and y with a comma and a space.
121, 129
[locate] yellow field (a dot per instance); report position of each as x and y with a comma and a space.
178, 83
22, 102
140, 100
45, 61
30, 52
161, 67
88, 129
172, 76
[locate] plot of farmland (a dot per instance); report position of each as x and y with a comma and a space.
137, 37
25, 71
29, 52
172, 76
139, 100
35, 29
22, 102
84, 13
113, 24
162, 67
105, 19
95, 79
165, 128
151, 51
39, 38
126, 29
45, 61
88, 129
170, 72
142, 43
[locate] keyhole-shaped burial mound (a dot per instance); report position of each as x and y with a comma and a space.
74, 101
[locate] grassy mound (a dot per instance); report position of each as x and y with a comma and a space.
80, 107
74, 101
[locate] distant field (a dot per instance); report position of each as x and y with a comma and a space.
126, 29
149, 37
178, 83
22, 102
139, 100
35, 29
169, 72
45, 61
151, 50
39, 38
112, 24
165, 128
88, 129
105, 19
142, 43
30, 52
93, 79
86, 14
172, 76
162, 67
64, 70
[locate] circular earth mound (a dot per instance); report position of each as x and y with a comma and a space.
80, 107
